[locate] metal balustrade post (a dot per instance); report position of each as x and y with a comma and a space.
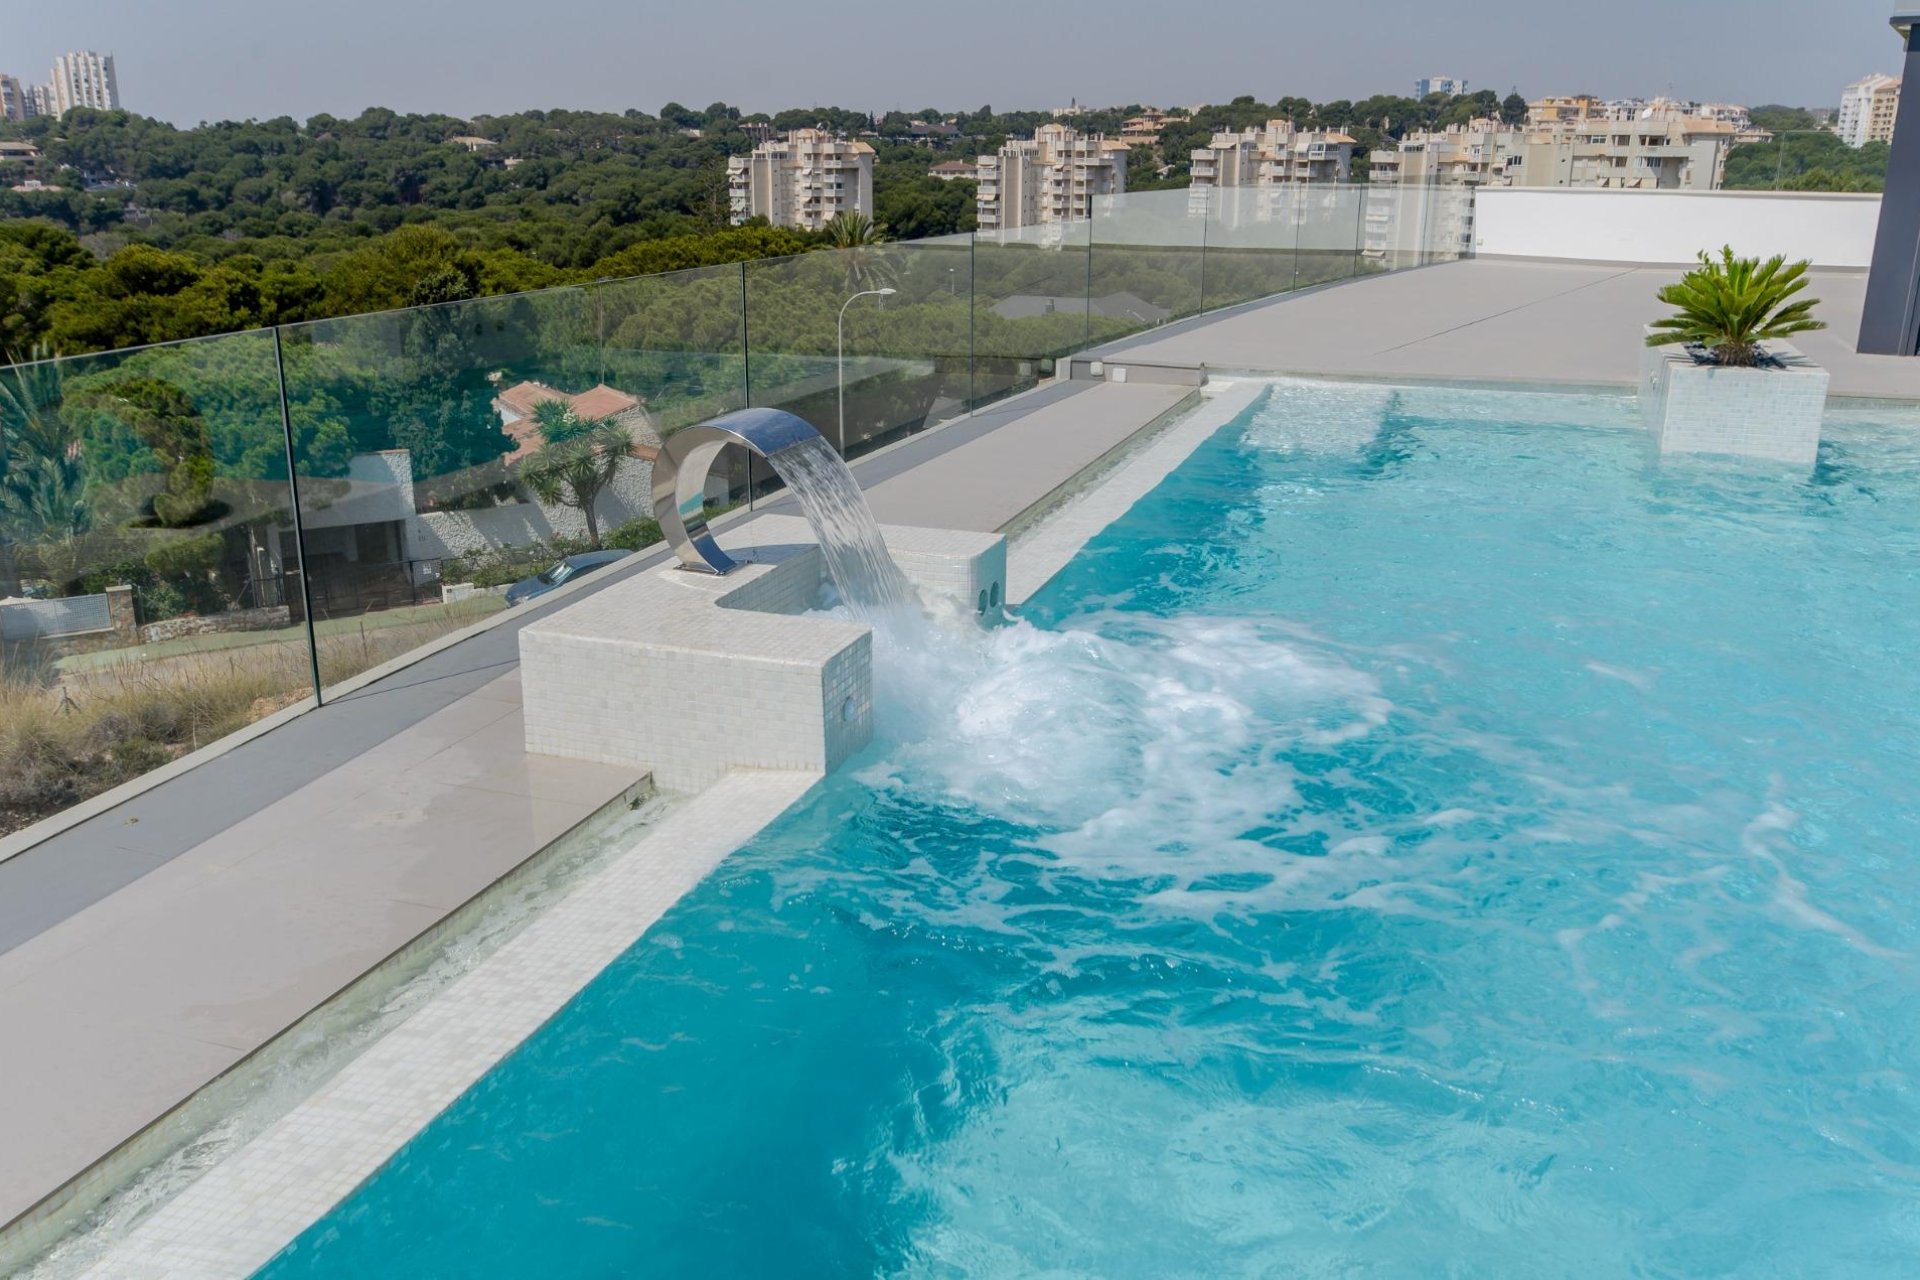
299, 530
746, 371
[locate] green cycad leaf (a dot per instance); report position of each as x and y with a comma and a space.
1730, 305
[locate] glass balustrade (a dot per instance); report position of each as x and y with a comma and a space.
190, 533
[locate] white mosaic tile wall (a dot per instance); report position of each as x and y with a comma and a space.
655, 669
1755, 413
688, 675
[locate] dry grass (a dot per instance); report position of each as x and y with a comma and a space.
64, 738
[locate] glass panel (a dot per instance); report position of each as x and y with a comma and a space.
1147, 267
1395, 227
1329, 232
1251, 237
1029, 305
679, 340
868, 344
1450, 233
449, 454
144, 602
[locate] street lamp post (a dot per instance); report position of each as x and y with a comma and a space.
840, 361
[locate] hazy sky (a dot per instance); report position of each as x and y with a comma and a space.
193, 60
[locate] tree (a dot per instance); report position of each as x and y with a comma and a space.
923, 207
166, 420
558, 423
858, 238
44, 489
573, 471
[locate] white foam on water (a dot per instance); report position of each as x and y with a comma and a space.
1097, 734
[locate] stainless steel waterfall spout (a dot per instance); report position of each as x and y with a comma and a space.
680, 476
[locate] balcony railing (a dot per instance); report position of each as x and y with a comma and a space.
352, 489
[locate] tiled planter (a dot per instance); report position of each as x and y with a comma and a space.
1772, 413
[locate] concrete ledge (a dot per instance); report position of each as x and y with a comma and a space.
137, 1004
1121, 370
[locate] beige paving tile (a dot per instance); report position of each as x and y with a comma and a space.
233, 963
505, 689
56, 1056
496, 759
414, 840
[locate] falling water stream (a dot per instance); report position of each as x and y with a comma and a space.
869, 581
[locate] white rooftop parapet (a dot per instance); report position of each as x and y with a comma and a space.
1586, 224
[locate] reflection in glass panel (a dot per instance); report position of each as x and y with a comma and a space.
868, 344
1251, 236
446, 454
1146, 262
145, 607
1329, 221
1029, 305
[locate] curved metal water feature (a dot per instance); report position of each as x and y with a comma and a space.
856, 556
680, 476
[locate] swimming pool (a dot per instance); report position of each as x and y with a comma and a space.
1424, 836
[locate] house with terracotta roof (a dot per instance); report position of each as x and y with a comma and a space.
517, 403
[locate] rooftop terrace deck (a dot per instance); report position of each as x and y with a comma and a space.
155, 946
1487, 320
226, 952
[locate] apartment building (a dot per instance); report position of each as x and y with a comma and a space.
84, 79
1867, 109
16, 100
1273, 154
1453, 85
1557, 113
1052, 177
805, 180
1686, 152
1676, 153
1144, 129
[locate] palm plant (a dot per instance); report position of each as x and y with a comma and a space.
858, 238
43, 483
1732, 305
558, 423
575, 470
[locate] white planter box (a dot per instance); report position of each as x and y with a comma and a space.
1772, 413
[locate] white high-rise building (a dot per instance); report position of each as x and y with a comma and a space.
1439, 84
16, 100
1052, 177
805, 179
1867, 109
83, 79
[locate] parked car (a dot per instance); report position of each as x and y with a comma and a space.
561, 573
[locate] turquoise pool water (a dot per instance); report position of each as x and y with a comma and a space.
1424, 837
